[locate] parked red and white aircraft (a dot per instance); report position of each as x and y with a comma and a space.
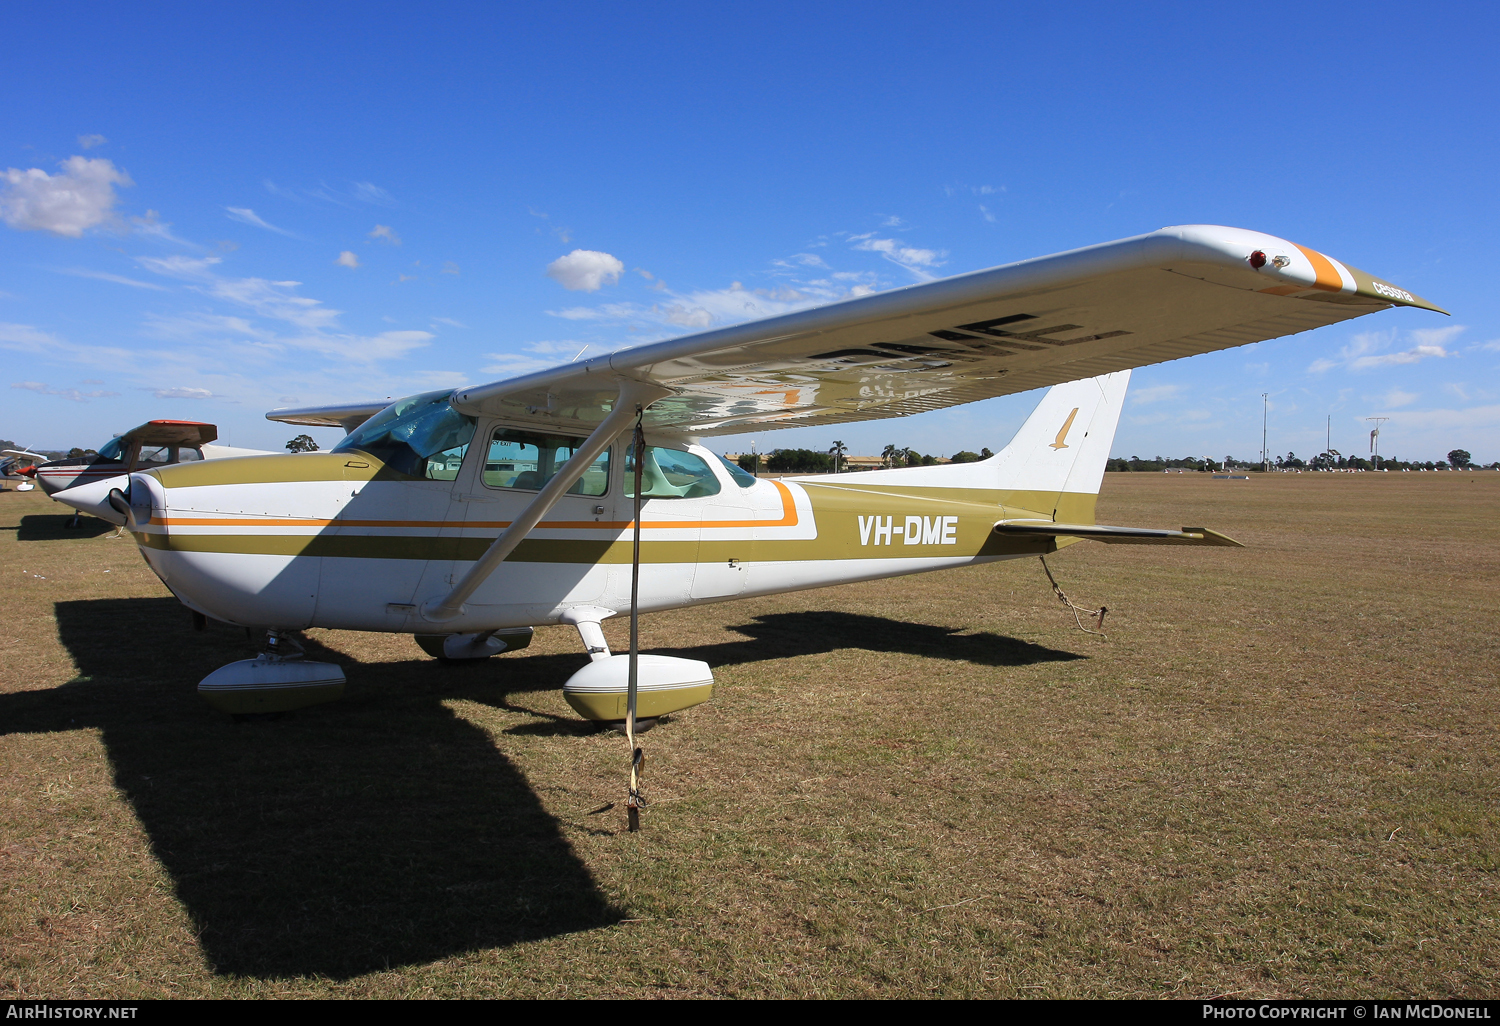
156, 443
19, 465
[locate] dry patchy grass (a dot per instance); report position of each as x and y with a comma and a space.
1277, 778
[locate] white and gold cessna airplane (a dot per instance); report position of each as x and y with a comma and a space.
469, 517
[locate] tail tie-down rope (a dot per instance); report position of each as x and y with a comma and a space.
1094, 614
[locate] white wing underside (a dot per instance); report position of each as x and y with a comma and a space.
1163, 296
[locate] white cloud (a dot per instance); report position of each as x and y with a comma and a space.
449, 267
154, 226
511, 365
80, 197
1468, 419
1153, 393
450, 322
368, 192
118, 279
914, 260
1437, 336
561, 347
347, 259
708, 307
67, 393
245, 215
585, 270
181, 393
25, 338
577, 313
384, 233
196, 268
1396, 397
1364, 350
316, 325
1411, 355
88, 142
276, 190
809, 259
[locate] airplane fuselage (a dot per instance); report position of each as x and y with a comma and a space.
341, 540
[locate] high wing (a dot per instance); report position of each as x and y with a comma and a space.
347, 415
1162, 296
24, 454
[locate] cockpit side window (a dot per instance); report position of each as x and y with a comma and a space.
421, 435
670, 474
527, 460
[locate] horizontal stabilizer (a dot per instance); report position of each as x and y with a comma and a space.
1116, 535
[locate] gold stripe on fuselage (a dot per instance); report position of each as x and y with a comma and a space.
838, 512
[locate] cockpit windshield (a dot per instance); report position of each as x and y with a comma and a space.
114, 449
421, 435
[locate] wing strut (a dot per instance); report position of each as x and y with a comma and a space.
632, 394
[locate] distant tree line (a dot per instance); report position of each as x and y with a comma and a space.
1458, 459
810, 461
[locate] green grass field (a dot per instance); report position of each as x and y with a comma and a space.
1276, 778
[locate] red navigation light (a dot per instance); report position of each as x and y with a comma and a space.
1257, 259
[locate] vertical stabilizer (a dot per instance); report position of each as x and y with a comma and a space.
1065, 443
1060, 450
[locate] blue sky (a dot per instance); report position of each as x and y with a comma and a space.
210, 213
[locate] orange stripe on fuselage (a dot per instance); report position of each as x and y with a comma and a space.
1329, 279
788, 519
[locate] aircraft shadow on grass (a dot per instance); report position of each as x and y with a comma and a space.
379, 831
49, 527
781, 635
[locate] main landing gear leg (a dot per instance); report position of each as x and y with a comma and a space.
586, 697
587, 619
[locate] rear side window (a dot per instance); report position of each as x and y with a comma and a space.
670, 474
527, 460
738, 473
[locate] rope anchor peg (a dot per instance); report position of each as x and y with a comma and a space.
1093, 614
635, 800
